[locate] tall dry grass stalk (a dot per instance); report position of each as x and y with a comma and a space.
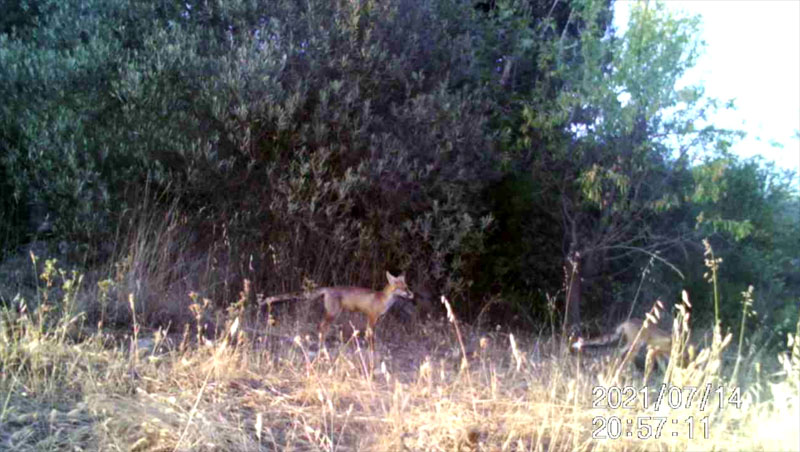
240, 385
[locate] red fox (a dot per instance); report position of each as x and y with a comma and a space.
657, 341
370, 302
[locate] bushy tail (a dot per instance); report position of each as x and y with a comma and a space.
292, 296
601, 341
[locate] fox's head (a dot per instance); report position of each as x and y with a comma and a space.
397, 286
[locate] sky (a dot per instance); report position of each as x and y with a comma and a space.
752, 55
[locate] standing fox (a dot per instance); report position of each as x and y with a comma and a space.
658, 341
371, 303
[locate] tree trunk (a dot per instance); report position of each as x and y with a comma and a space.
573, 284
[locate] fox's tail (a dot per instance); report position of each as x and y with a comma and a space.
292, 296
601, 341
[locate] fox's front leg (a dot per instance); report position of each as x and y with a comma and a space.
371, 322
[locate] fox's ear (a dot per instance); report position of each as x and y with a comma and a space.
390, 277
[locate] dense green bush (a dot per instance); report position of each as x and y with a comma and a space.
328, 136
477, 149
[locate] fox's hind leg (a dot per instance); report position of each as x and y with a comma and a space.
333, 308
327, 319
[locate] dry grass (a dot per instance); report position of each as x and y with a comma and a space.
433, 387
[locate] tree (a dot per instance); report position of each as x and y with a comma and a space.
618, 142
748, 211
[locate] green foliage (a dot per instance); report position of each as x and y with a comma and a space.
331, 141
749, 210
330, 135
21, 17
604, 143
54, 82
611, 152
